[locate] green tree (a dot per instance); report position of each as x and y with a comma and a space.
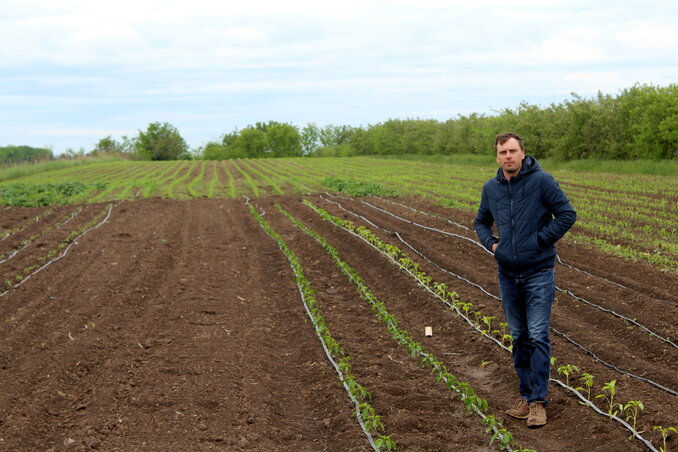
17, 154
251, 143
282, 140
214, 151
310, 139
161, 142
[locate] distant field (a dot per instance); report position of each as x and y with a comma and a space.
628, 216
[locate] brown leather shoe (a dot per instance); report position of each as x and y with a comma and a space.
520, 411
537, 416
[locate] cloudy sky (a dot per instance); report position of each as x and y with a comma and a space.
72, 72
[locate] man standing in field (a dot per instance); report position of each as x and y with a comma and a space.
523, 200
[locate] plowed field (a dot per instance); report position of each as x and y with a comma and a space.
178, 325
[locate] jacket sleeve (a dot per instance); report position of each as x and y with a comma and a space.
560, 207
483, 222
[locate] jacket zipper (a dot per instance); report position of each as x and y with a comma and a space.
513, 221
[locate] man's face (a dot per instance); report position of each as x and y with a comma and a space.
510, 156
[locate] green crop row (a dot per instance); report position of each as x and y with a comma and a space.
370, 420
481, 323
471, 400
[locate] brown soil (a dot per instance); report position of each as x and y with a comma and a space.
177, 325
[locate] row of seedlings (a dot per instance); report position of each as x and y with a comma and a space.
630, 409
462, 309
58, 252
487, 319
367, 416
563, 290
29, 240
21, 227
471, 400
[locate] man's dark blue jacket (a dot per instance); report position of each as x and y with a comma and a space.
524, 209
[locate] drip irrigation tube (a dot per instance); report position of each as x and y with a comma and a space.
621, 316
35, 220
370, 439
586, 402
328, 354
63, 253
459, 225
372, 300
29, 242
559, 260
428, 227
564, 336
611, 366
583, 300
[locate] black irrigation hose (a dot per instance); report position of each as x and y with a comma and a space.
463, 237
554, 380
621, 316
451, 306
559, 260
576, 297
623, 372
459, 225
595, 408
564, 336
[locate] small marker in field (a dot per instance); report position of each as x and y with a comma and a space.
428, 331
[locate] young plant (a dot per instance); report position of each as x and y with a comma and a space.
587, 378
487, 320
665, 433
632, 409
567, 370
611, 388
384, 442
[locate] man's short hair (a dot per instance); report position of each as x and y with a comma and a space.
505, 136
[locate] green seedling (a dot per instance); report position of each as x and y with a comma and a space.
567, 370
611, 388
384, 442
440, 289
371, 419
507, 340
632, 408
665, 433
587, 378
487, 320
495, 428
465, 307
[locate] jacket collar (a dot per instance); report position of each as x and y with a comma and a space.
529, 166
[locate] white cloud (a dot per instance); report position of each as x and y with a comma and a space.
96, 65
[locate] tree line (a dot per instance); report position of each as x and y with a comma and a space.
639, 123
19, 154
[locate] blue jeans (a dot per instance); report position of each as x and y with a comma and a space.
526, 302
